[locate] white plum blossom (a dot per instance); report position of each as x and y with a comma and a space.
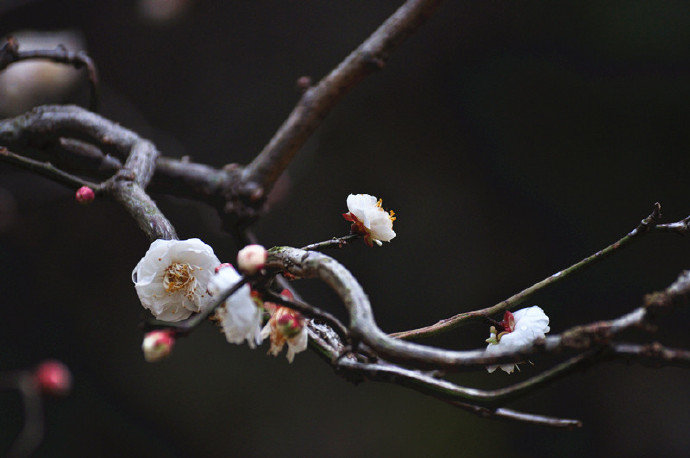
172, 277
369, 219
239, 316
519, 331
286, 326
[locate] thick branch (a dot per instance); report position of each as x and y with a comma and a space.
318, 101
50, 124
310, 264
142, 208
85, 145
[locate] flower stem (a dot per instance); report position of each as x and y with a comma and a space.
335, 242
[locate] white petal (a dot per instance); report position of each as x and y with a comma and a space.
224, 279
297, 344
266, 331
149, 274
241, 318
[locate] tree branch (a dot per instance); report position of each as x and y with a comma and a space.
45, 169
85, 145
317, 101
652, 355
646, 225
335, 242
310, 264
127, 186
513, 415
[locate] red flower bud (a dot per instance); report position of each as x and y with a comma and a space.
158, 345
53, 378
85, 195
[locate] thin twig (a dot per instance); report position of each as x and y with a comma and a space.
652, 355
79, 140
681, 227
453, 322
513, 415
335, 242
10, 54
309, 311
185, 327
46, 169
127, 185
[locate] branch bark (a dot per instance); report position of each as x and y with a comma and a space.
363, 327
317, 101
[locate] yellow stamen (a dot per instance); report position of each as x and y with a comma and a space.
179, 277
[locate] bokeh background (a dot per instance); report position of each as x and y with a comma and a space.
511, 138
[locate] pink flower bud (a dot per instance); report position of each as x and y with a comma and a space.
223, 266
158, 345
53, 378
288, 322
508, 323
85, 195
251, 259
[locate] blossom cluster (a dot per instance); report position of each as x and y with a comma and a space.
177, 278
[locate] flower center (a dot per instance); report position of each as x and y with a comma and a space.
179, 277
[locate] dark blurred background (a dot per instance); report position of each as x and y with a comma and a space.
511, 138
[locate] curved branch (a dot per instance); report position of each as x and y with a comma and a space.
311, 264
363, 327
49, 124
85, 145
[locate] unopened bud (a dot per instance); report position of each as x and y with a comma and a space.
223, 266
508, 323
85, 195
288, 322
53, 378
251, 259
158, 345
